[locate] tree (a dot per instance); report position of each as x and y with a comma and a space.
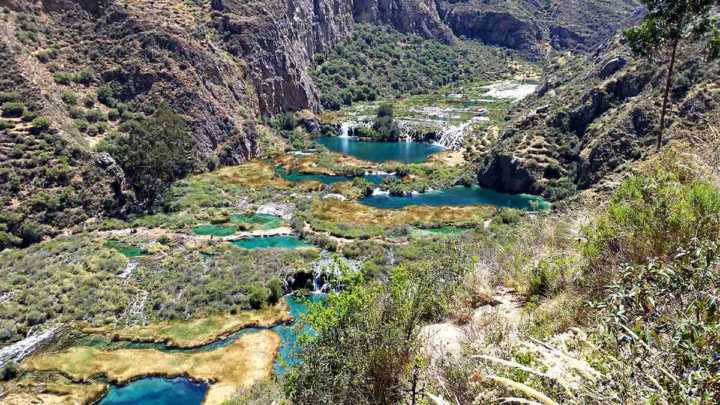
667, 24
154, 152
385, 126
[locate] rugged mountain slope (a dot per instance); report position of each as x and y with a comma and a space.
594, 114
87, 67
533, 26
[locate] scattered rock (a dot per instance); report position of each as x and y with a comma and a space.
442, 340
277, 209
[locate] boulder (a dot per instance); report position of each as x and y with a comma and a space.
612, 66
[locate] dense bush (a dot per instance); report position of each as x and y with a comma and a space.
153, 153
13, 109
655, 268
371, 64
40, 124
68, 97
654, 216
365, 343
385, 126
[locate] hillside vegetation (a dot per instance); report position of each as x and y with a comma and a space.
380, 62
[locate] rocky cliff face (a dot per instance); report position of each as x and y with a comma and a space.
533, 27
416, 16
277, 40
591, 116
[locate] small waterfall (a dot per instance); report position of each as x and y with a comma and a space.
346, 129
320, 286
452, 137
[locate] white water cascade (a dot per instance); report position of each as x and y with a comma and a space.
320, 286
19, 350
345, 130
452, 137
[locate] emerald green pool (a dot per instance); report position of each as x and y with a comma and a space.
214, 230
260, 221
271, 242
125, 249
459, 196
406, 152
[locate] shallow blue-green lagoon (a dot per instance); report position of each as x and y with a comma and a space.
406, 152
458, 196
184, 391
157, 391
327, 178
271, 242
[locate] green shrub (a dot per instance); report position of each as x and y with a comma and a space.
28, 116
654, 217
40, 124
89, 101
560, 189
85, 76
113, 115
81, 124
68, 97
8, 96
106, 94
75, 112
46, 55
95, 116
13, 109
63, 78
275, 286
257, 296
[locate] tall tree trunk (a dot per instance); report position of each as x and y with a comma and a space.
668, 86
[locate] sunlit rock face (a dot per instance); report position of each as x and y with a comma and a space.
532, 27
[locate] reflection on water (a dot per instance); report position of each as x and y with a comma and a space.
406, 152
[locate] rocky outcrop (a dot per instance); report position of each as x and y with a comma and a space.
497, 28
590, 117
532, 27
277, 39
417, 16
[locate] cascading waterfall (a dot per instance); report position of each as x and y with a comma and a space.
347, 129
452, 137
320, 286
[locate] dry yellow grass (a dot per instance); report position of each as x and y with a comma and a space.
58, 391
239, 365
447, 158
201, 331
255, 175
312, 164
349, 212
